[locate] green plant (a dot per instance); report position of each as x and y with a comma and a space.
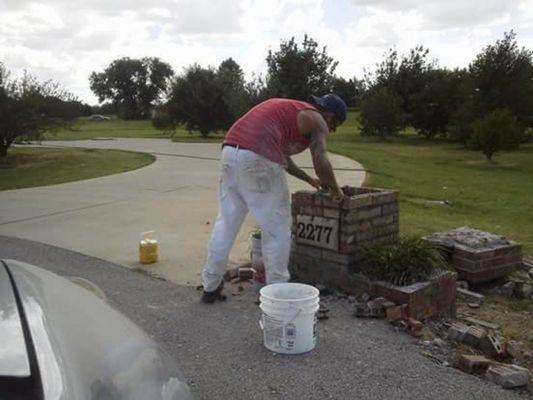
497, 131
381, 113
410, 260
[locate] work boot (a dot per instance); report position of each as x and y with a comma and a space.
211, 297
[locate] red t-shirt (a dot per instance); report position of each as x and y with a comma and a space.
270, 129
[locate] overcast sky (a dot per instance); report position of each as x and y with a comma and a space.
65, 40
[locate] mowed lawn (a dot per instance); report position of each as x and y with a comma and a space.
496, 196
118, 128
28, 167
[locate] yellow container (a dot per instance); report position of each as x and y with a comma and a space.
148, 248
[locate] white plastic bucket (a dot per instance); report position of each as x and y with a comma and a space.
289, 320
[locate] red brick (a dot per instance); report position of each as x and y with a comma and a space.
331, 213
303, 198
368, 212
363, 200
391, 208
245, 274
397, 312
473, 364
471, 335
492, 347
385, 197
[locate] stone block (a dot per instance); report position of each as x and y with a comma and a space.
470, 335
469, 296
493, 347
508, 376
473, 364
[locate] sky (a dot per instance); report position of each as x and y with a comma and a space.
66, 40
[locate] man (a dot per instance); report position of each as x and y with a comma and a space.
255, 155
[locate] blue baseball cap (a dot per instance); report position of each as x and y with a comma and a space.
332, 102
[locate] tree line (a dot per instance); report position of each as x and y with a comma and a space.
486, 105
483, 106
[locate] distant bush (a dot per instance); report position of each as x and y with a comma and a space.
497, 131
381, 113
164, 121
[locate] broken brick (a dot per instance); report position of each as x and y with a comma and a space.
508, 376
492, 347
469, 296
484, 324
369, 310
473, 364
471, 335
414, 326
245, 274
384, 302
396, 313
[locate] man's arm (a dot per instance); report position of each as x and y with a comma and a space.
314, 125
296, 171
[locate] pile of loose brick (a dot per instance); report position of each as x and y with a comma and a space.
509, 376
479, 256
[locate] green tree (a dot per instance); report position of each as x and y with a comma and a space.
381, 113
256, 90
196, 100
502, 77
349, 90
28, 108
133, 85
230, 79
405, 76
437, 101
299, 71
499, 130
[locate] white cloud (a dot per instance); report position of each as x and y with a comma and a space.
66, 39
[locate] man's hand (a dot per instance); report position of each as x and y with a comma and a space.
315, 182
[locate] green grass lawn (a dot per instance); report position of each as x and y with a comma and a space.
497, 196
115, 128
28, 167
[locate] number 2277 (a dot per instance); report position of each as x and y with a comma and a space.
313, 232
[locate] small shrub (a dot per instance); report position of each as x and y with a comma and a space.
163, 121
408, 261
497, 131
381, 113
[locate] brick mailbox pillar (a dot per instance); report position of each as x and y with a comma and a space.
327, 234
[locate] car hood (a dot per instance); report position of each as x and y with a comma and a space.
84, 349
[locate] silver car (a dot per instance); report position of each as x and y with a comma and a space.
60, 341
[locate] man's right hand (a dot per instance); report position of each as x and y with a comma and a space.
315, 182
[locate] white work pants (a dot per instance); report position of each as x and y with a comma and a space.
252, 183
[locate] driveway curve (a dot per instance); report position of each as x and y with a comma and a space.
176, 196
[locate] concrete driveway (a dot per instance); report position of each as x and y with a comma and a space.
176, 196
